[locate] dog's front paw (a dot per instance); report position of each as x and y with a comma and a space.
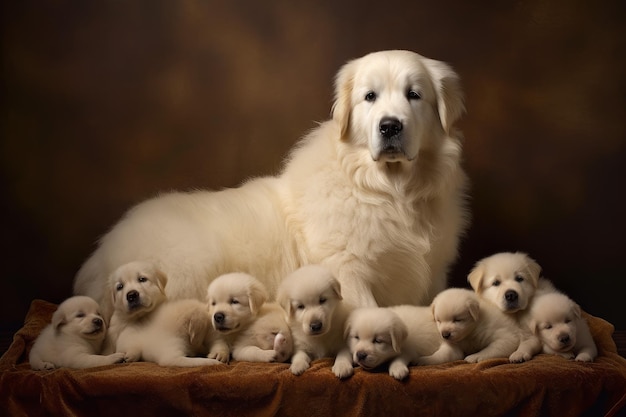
584, 357
131, 357
343, 369
298, 367
473, 358
117, 357
520, 356
220, 355
47, 366
398, 370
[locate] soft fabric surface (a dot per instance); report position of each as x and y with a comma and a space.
544, 386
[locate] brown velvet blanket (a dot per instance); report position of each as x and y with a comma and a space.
544, 386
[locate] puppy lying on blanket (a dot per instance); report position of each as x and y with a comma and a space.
147, 327
395, 335
311, 296
471, 329
558, 323
249, 328
73, 339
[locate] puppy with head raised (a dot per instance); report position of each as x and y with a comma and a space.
396, 335
510, 281
311, 296
73, 339
148, 327
558, 323
471, 329
236, 301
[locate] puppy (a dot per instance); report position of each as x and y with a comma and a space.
311, 296
73, 339
510, 281
471, 329
558, 323
396, 335
235, 301
147, 327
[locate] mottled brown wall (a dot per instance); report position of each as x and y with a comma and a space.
106, 103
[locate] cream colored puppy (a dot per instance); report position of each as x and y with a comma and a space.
73, 339
235, 301
510, 281
311, 296
558, 323
471, 329
145, 326
396, 335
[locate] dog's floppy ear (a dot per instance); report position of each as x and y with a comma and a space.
342, 106
257, 295
475, 277
534, 269
398, 333
161, 279
450, 101
576, 310
284, 301
473, 306
59, 318
336, 287
533, 325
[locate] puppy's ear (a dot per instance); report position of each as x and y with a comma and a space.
534, 270
59, 318
398, 333
450, 101
257, 295
346, 329
161, 279
473, 307
533, 325
476, 276
342, 106
283, 300
336, 287
576, 310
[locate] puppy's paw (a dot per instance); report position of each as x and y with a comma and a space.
473, 358
131, 357
47, 366
343, 369
117, 357
584, 357
220, 355
398, 370
520, 356
298, 367
267, 356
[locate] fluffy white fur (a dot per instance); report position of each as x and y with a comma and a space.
471, 329
510, 281
396, 335
73, 339
558, 323
146, 326
381, 206
311, 297
249, 328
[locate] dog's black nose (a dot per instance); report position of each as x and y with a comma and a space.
97, 322
360, 355
316, 326
564, 339
219, 317
510, 296
390, 127
446, 335
132, 296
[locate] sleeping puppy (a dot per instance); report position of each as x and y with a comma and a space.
558, 323
236, 300
147, 327
73, 339
396, 335
471, 329
511, 281
311, 296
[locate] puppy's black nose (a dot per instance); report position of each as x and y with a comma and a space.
446, 335
360, 355
97, 322
219, 317
316, 326
390, 127
564, 339
132, 296
510, 296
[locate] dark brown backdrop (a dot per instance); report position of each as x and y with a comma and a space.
106, 103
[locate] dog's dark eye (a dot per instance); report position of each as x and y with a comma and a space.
547, 326
80, 314
119, 286
370, 96
300, 307
456, 320
495, 283
413, 95
378, 341
142, 279
322, 300
234, 301
355, 337
568, 321
213, 303
519, 278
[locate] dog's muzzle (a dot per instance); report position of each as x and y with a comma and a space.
390, 129
511, 297
133, 299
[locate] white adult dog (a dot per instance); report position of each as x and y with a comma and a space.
376, 194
